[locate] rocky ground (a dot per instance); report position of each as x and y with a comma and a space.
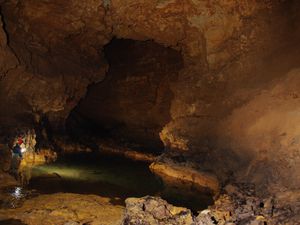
237, 205
63, 208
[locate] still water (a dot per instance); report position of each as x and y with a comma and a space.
113, 177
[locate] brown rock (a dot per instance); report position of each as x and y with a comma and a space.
66, 208
191, 177
151, 210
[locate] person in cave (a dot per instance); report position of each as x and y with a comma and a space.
20, 140
16, 159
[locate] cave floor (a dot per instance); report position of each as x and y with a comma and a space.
66, 208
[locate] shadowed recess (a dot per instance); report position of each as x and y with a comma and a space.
133, 102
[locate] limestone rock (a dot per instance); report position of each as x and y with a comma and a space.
68, 146
66, 208
268, 136
239, 204
152, 210
102, 146
189, 176
8, 59
52, 84
111, 148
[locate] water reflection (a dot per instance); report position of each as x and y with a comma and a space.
112, 177
17, 193
14, 197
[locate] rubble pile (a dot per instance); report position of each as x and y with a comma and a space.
238, 204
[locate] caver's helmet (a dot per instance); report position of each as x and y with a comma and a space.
20, 141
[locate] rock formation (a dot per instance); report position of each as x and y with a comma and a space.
151, 210
66, 209
237, 205
51, 75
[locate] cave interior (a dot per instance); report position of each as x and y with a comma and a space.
155, 109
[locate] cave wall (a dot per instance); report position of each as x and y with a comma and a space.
232, 52
265, 132
57, 59
8, 60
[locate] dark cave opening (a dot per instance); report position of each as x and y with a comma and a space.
132, 104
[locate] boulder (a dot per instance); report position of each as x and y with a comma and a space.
154, 210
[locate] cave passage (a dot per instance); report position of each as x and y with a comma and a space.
132, 103
129, 107
111, 109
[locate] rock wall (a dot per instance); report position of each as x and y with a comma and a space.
8, 61
57, 62
237, 205
265, 132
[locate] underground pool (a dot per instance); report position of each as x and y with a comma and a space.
114, 177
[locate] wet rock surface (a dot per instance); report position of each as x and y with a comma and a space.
110, 147
193, 171
186, 175
101, 146
13, 197
12, 194
62, 209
